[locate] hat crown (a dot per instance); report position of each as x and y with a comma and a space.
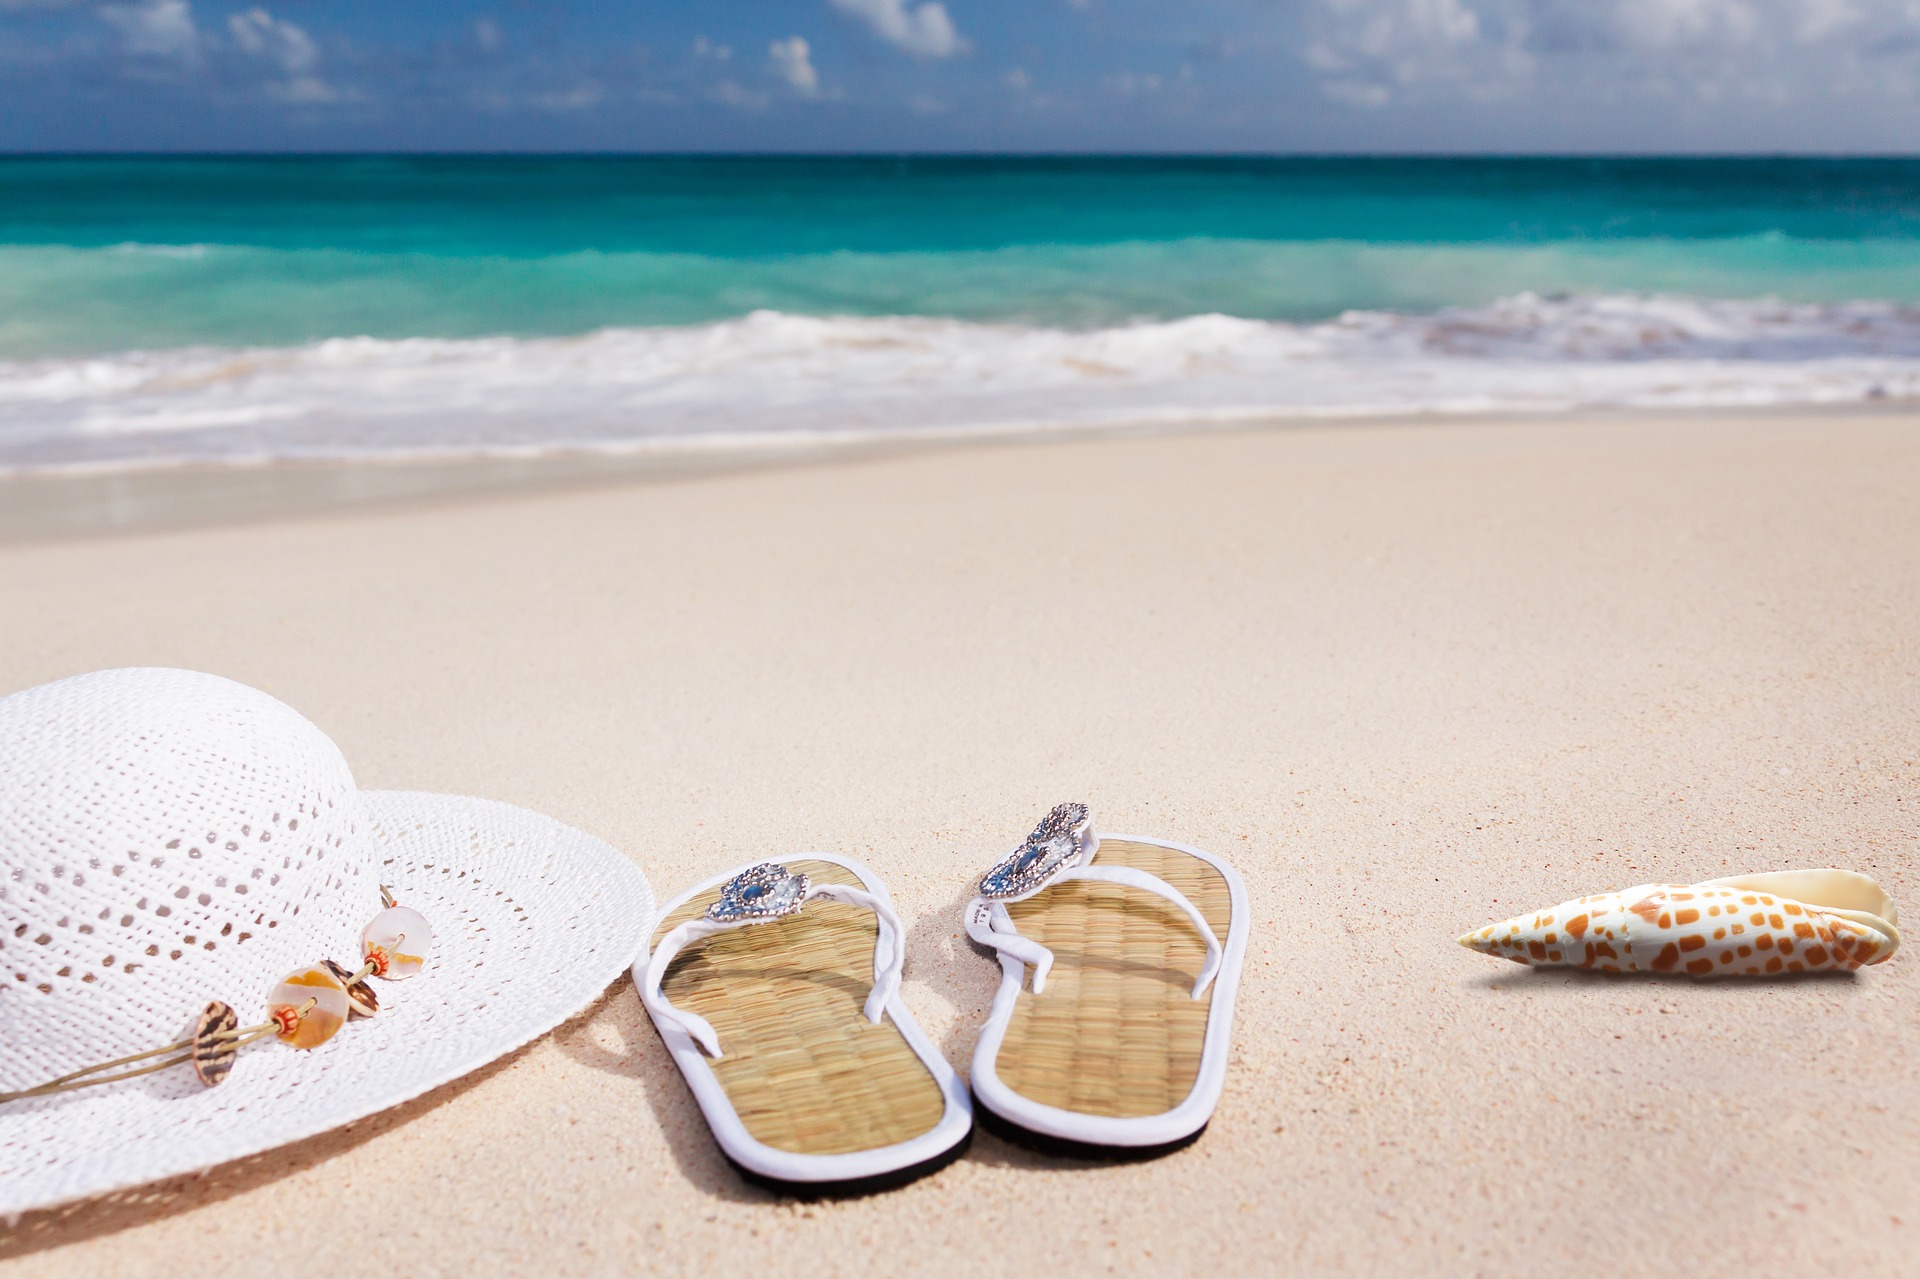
166, 838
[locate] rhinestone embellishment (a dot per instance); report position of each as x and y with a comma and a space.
1047, 852
766, 891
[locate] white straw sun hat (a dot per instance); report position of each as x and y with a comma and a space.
170, 838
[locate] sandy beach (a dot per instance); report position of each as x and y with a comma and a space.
1409, 677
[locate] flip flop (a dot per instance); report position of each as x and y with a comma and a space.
769, 985
1120, 1048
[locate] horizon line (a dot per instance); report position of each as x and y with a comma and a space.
663, 154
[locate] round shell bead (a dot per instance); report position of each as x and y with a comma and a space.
403, 937
313, 986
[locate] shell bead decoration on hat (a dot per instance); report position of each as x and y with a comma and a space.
308, 1006
304, 1010
213, 1042
397, 942
1762, 925
362, 999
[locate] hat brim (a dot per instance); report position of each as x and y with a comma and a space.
532, 921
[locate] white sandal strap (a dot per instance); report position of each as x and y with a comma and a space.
889, 956
989, 923
1060, 849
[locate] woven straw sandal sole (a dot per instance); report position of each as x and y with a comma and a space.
1116, 1059
809, 1098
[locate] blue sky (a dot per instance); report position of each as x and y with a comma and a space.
1074, 75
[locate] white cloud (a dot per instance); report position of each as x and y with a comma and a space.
1017, 80
1373, 53
1663, 24
705, 48
487, 34
1370, 53
793, 63
1824, 16
307, 91
292, 53
1357, 94
924, 30
738, 96
282, 43
579, 98
161, 29
926, 104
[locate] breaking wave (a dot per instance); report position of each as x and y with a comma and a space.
772, 377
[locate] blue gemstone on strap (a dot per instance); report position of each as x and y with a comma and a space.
1050, 849
766, 891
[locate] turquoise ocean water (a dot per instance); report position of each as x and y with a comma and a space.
159, 310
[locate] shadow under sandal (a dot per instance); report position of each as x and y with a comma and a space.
1120, 1047
776, 989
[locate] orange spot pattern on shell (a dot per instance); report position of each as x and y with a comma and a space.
1656, 934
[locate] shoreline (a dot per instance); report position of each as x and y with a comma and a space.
57, 504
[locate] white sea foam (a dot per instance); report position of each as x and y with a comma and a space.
772, 376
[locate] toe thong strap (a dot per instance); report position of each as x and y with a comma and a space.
989, 923
889, 955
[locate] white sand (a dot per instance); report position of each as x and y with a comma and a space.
1409, 678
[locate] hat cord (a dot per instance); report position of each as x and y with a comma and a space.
211, 1047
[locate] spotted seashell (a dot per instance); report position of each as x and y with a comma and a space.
213, 1044
399, 939
361, 999
298, 989
1743, 926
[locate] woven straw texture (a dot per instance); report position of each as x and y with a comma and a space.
1118, 1032
803, 1067
168, 838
